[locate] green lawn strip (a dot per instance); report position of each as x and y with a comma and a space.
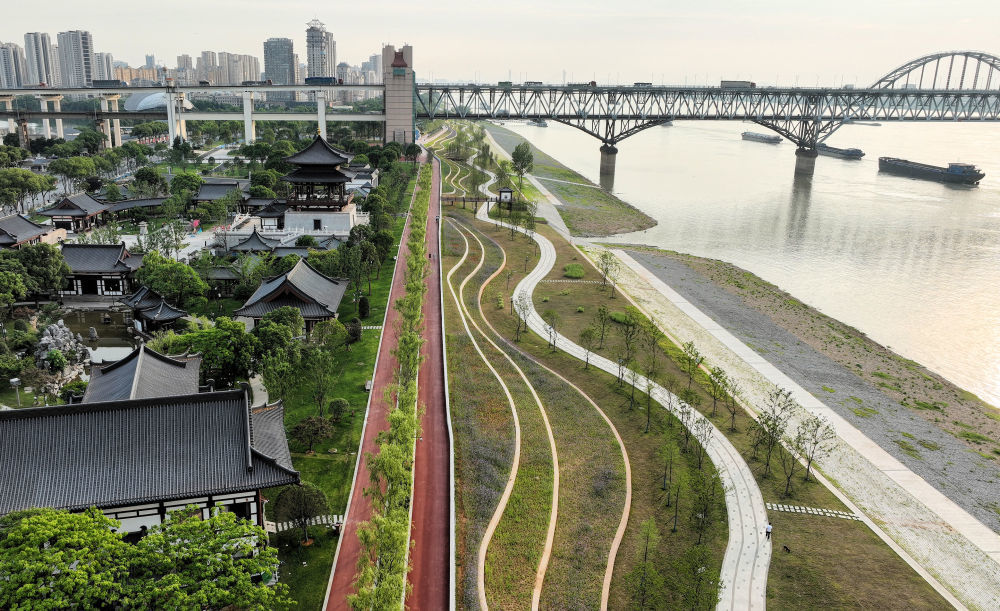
648, 498
587, 210
305, 569
809, 493
592, 481
381, 286
483, 434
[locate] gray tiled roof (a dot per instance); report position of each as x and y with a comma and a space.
210, 191
302, 287
15, 229
162, 312
144, 298
130, 452
269, 432
317, 175
80, 204
94, 258
256, 243
143, 374
129, 204
320, 152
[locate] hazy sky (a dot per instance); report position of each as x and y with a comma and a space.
623, 41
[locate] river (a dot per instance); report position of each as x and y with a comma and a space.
914, 264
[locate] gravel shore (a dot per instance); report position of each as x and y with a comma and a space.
895, 402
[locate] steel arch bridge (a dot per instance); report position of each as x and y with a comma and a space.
951, 86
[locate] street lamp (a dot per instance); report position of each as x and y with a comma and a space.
16, 383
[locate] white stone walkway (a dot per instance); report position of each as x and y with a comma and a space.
816, 511
952, 550
748, 555
328, 520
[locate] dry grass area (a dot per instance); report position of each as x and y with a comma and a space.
878, 578
644, 450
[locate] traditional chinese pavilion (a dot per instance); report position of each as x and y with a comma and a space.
318, 181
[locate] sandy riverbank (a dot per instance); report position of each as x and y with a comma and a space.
941, 432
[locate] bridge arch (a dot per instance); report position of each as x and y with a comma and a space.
950, 70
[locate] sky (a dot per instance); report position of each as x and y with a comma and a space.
780, 42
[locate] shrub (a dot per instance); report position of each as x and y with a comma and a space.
337, 408
579, 309
573, 270
21, 325
364, 307
618, 317
76, 387
353, 331
545, 299
197, 304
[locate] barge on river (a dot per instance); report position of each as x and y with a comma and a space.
765, 138
960, 173
832, 151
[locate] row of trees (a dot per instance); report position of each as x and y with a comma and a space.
52, 559
382, 567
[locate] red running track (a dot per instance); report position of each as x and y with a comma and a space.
431, 525
359, 507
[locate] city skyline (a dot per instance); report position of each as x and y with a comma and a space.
773, 42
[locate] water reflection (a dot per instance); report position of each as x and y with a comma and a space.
114, 341
798, 211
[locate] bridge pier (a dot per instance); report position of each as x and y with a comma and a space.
805, 161
321, 113
8, 103
609, 154
111, 139
249, 126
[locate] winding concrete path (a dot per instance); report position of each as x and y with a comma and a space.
748, 554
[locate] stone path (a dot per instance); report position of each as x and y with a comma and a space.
327, 520
748, 554
816, 511
953, 551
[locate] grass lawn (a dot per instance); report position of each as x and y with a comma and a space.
871, 574
587, 211
306, 569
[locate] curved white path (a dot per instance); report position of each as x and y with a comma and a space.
748, 554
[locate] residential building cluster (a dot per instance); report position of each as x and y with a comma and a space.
71, 61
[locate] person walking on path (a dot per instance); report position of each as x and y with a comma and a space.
767, 532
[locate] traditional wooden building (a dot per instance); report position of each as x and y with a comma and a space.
316, 296
138, 459
17, 231
143, 374
100, 269
78, 213
150, 310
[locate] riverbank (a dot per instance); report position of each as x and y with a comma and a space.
588, 210
939, 431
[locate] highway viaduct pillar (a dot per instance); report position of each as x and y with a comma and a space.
249, 126
57, 107
111, 139
609, 154
805, 161
321, 113
176, 125
398, 79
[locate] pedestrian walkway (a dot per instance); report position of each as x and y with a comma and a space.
371, 327
952, 550
748, 555
816, 511
327, 520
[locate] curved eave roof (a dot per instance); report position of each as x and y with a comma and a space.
320, 153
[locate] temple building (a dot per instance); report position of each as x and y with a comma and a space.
78, 213
99, 269
17, 231
143, 374
150, 311
316, 296
137, 459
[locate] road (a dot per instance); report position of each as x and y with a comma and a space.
431, 525
358, 506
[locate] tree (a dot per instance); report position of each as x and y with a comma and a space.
318, 373
112, 192
364, 307
692, 580
299, 504
272, 338
72, 169
11, 287
772, 421
691, 359
56, 359
188, 562
312, 429
17, 185
288, 317
227, 351
337, 408
630, 327
718, 383
330, 335
813, 439
279, 374
52, 559
185, 181
588, 337
705, 509
790, 460
306, 241
605, 259
503, 172
412, 151
551, 318
174, 280
149, 182
732, 405
645, 584
603, 320
523, 161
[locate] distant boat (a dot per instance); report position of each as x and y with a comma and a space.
865, 123
765, 138
538, 122
960, 173
832, 151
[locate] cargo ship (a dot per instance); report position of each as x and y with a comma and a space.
538, 122
765, 138
832, 151
960, 173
